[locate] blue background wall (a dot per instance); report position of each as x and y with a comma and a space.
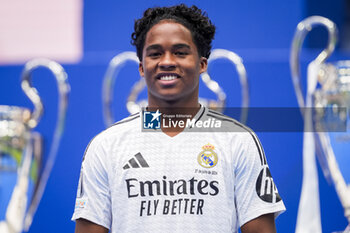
259, 31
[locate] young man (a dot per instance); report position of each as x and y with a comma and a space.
175, 179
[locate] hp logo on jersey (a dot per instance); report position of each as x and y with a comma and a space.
266, 188
151, 120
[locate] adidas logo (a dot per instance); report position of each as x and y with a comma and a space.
136, 163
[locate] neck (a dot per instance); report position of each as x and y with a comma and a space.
173, 106
176, 111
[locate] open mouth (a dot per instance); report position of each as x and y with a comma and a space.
167, 77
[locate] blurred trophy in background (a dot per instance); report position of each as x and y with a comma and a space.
328, 100
23, 177
134, 104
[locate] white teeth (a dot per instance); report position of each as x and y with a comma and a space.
168, 78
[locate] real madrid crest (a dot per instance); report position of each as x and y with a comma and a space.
207, 158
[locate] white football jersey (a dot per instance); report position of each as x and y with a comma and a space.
134, 181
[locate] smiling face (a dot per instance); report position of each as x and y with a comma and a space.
171, 66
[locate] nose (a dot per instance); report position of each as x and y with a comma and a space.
167, 61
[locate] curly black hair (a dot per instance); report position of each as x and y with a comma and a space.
193, 18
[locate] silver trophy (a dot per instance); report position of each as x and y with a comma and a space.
134, 105
331, 101
23, 177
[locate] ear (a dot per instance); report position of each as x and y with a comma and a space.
141, 69
203, 63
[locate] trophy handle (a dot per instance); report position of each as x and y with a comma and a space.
242, 74
108, 82
303, 28
32, 93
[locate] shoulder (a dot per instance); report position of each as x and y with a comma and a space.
229, 124
241, 133
117, 130
127, 124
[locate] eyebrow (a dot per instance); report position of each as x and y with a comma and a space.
180, 46
176, 46
153, 46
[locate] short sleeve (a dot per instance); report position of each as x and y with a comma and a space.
93, 201
255, 191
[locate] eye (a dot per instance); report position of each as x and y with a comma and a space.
154, 54
181, 53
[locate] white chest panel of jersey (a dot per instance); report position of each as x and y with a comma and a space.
133, 181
